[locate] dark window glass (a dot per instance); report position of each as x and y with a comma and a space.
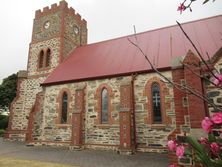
64, 108
104, 114
48, 54
41, 58
157, 118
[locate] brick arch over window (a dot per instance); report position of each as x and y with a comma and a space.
98, 107
60, 104
164, 91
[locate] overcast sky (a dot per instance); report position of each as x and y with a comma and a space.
106, 19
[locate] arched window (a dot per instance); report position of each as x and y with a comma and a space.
104, 103
41, 58
156, 103
48, 55
64, 108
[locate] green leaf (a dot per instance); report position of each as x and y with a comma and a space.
211, 137
199, 151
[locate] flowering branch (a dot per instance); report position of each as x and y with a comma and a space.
183, 6
176, 85
194, 46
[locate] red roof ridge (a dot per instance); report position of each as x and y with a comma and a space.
156, 29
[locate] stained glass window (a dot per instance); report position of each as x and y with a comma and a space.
64, 108
156, 103
104, 113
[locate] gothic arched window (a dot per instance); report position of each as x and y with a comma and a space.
156, 103
105, 106
64, 108
48, 56
41, 59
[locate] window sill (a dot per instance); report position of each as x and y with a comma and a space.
63, 125
43, 69
106, 126
158, 126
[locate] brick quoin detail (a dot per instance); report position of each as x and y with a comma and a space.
180, 111
36, 108
77, 118
164, 91
98, 107
59, 106
125, 120
196, 108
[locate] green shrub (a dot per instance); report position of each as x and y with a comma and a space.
2, 132
3, 121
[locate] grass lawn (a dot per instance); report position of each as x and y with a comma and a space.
13, 162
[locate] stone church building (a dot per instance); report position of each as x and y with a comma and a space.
105, 95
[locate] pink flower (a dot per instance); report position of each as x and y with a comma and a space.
180, 151
215, 148
207, 124
203, 141
181, 8
218, 81
172, 165
171, 145
217, 118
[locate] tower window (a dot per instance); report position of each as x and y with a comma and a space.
64, 108
156, 103
104, 103
41, 58
48, 55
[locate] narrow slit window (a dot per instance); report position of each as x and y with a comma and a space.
104, 103
185, 101
156, 103
48, 56
41, 58
64, 108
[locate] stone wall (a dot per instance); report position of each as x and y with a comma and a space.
75, 33
32, 88
151, 136
52, 129
41, 33
35, 48
96, 135
18, 105
215, 94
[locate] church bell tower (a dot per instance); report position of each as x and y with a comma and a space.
57, 31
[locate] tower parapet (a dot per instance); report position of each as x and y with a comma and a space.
63, 5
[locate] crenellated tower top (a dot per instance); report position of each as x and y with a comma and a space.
57, 31
63, 5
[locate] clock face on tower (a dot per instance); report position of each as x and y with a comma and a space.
46, 24
76, 30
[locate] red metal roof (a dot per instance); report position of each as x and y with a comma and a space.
119, 56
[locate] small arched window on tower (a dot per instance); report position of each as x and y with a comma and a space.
105, 106
48, 56
64, 108
156, 103
41, 59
